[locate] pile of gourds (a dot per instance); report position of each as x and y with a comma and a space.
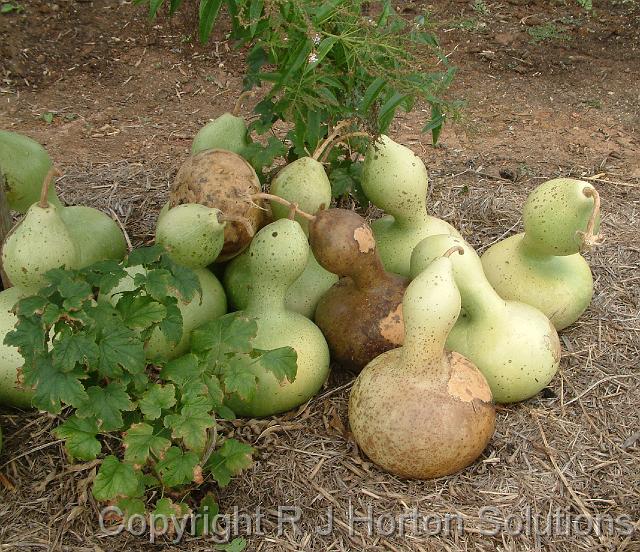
436, 333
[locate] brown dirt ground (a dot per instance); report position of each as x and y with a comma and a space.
129, 95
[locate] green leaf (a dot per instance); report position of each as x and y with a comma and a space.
145, 255
282, 363
120, 348
371, 95
176, 468
171, 326
175, 4
185, 281
114, 480
255, 11
80, 438
261, 156
182, 369
72, 349
324, 48
31, 305
28, 336
388, 109
156, 283
216, 394
154, 5
140, 442
435, 125
208, 14
191, 426
131, 506
140, 312
296, 59
239, 378
230, 459
106, 405
47, 117
207, 515
231, 333
53, 387
236, 545
155, 399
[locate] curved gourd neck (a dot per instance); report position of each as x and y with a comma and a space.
267, 297
530, 248
479, 299
411, 218
368, 272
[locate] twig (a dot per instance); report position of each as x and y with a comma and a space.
115, 216
329, 139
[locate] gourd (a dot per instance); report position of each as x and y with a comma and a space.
192, 234
305, 184
223, 180
543, 266
96, 235
227, 132
12, 393
360, 315
420, 411
278, 255
395, 180
210, 305
39, 243
513, 344
24, 163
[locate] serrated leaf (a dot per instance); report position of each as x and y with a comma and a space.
239, 378
74, 349
140, 312
53, 387
145, 255
120, 348
184, 281
106, 404
216, 393
230, 459
182, 369
155, 399
176, 468
131, 506
29, 306
282, 363
207, 513
140, 442
226, 413
28, 337
115, 479
80, 438
231, 333
156, 283
191, 426
172, 325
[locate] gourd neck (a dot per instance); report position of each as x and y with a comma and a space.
409, 219
422, 353
530, 248
267, 297
479, 299
368, 272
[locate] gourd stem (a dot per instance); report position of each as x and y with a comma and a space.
44, 194
282, 201
236, 106
590, 239
239, 219
330, 138
452, 250
337, 139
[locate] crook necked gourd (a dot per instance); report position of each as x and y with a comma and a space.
543, 266
38, 243
420, 411
513, 344
278, 255
360, 315
227, 132
395, 180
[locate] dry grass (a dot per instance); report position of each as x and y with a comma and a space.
572, 449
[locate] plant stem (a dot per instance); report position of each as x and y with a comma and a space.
44, 202
452, 250
282, 201
330, 138
589, 239
340, 138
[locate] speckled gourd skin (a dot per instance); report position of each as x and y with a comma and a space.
96, 235
278, 255
223, 180
39, 243
211, 305
11, 392
559, 286
226, 132
395, 180
513, 344
24, 164
191, 233
361, 315
543, 267
418, 411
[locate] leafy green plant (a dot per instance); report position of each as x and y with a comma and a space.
154, 425
10, 7
323, 63
546, 31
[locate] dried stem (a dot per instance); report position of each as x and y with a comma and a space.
452, 250
238, 104
282, 201
589, 239
44, 194
340, 138
330, 138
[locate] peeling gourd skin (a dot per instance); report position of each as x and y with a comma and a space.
211, 305
226, 132
543, 267
395, 180
513, 344
96, 235
419, 411
11, 392
37, 244
361, 315
191, 233
223, 180
24, 163
278, 255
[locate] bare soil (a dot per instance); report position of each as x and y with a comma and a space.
549, 91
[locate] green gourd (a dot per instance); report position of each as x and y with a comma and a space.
420, 411
278, 255
543, 266
209, 306
191, 233
25, 163
226, 132
96, 235
11, 392
39, 243
395, 180
513, 344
